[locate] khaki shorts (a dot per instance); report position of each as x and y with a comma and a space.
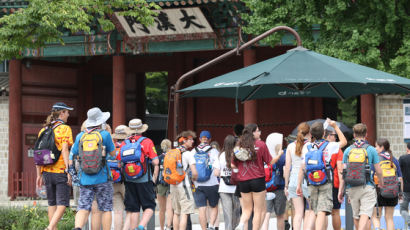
362, 199
118, 197
163, 190
321, 198
182, 200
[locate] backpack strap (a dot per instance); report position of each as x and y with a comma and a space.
323, 145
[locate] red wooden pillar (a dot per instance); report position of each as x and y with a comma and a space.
250, 108
368, 115
15, 123
118, 91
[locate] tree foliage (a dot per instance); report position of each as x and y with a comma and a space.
372, 33
156, 91
44, 21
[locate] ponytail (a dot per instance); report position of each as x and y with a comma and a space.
52, 117
383, 142
303, 130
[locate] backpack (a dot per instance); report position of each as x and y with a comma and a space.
115, 170
161, 172
203, 164
317, 171
173, 169
357, 170
91, 152
135, 164
391, 186
273, 178
45, 149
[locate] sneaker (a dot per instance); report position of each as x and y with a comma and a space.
239, 227
287, 225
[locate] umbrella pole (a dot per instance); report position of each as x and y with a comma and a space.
219, 59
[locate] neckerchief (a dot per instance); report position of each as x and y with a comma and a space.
360, 143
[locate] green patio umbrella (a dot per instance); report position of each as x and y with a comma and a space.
300, 73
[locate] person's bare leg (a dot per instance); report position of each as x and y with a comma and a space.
336, 221
131, 220
55, 218
259, 208
106, 220
118, 219
247, 207
309, 220
213, 215
146, 216
376, 219
175, 221
298, 205
265, 224
363, 222
183, 220
280, 222
202, 217
169, 212
162, 202
96, 216
81, 218
321, 222
388, 215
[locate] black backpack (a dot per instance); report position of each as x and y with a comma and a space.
45, 149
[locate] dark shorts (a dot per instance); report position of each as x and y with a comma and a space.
58, 191
237, 192
103, 195
278, 204
203, 194
336, 203
386, 202
253, 185
139, 195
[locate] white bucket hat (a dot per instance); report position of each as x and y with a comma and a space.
136, 126
120, 132
96, 117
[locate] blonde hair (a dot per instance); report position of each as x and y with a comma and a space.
52, 117
166, 145
360, 130
303, 130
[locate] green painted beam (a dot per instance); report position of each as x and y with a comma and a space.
179, 46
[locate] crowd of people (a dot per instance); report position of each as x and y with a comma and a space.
120, 171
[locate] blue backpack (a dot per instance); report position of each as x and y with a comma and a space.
135, 164
203, 164
161, 171
317, 172
115, 171
273, 176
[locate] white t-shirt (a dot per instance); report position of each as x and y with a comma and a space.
331, 148
213, 156
296, 162
187, 160
220, 164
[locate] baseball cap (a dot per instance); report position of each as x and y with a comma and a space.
60, 106
205, 133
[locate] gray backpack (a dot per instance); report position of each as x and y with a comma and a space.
91, 152
357, 171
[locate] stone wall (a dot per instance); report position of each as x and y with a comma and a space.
389, 119
4, 145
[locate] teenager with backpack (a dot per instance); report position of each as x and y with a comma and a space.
222, 168
137, 153
387, 195
404, 162
357, 159
294, 159
164, 200
51, 157
337, 168
250, 156
318, 172
275, 182
176, 163
119, 135
206, 185
92, 145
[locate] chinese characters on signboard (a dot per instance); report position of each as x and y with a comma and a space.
168, 22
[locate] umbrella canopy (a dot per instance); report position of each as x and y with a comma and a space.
342, 127
300, 73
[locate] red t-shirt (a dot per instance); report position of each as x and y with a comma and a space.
333, 162
248, 170
147, 147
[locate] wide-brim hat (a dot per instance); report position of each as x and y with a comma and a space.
120, 132
135, 126
96, 117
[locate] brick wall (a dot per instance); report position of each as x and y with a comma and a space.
4, 145
389, 119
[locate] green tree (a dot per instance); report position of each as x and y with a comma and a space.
44, 21
372, 33
156, 91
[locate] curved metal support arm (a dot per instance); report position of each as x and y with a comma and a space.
219, 59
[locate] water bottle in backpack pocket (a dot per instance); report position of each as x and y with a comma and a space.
317, 171
203, 164
135, 165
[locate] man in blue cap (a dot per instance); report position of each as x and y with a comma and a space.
207, 184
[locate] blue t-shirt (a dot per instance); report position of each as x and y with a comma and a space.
371, 155
102, 176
